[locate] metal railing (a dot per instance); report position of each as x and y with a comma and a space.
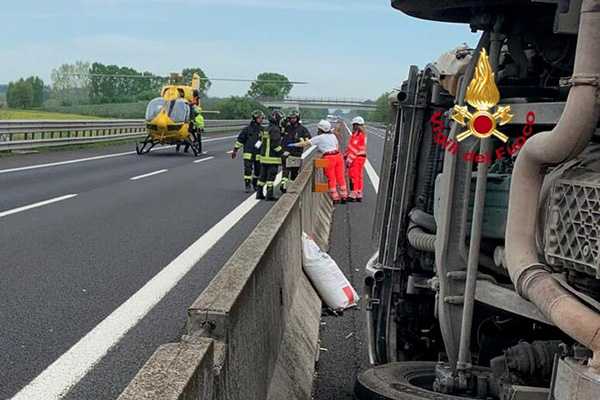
352, 100
30, 134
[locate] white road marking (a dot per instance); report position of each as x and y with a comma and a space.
135, 178
373, 177
36, 205
79, 160
202, 160
56, 380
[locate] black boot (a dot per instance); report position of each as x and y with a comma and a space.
248, 186
270, 195
282, 188
255, 184
259, 193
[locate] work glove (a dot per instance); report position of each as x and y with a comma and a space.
233, 154
286, 153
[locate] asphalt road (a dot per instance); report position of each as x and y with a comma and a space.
79, 239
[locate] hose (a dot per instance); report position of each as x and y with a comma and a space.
419, 239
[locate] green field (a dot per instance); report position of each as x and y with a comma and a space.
33, 114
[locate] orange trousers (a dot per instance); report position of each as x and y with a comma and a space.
335, 176
355, 172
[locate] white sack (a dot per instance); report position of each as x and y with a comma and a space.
331, 284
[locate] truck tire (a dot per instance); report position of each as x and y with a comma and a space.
400, 381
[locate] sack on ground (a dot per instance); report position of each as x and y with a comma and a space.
331, 284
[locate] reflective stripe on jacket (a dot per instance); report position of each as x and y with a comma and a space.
270, 151
294, 134
247, 140
357, 145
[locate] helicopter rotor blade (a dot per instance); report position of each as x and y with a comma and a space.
252, 80
201, 78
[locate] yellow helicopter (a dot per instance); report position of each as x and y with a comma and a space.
168, 118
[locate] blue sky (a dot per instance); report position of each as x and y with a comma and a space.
344, 48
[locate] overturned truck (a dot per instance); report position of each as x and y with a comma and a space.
486, 283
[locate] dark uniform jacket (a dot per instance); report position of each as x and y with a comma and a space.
248, 138
294, 134
271, 150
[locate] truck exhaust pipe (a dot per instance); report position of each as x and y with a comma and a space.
532, 278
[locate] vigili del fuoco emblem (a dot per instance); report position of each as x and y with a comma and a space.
483, 95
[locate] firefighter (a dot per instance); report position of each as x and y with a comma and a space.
249, 140
356, 156
294, 132
327, 143
270, 156
196, 123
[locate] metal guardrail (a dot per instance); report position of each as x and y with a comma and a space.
30, 134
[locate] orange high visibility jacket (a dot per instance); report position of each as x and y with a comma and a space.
357, 146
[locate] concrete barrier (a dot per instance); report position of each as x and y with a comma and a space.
256, 325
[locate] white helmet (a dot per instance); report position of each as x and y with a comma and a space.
358, 120
324, 125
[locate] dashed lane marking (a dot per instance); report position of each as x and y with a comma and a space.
135, 178
36, 205
203, 159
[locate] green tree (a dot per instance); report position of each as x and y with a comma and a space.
20, 94
238, 107
382, 112
37, 86
205, 84
71, 83
115, 84
270, 85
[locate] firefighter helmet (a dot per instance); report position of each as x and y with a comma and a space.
276, 117
257, 114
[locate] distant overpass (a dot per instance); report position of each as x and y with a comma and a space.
318, 103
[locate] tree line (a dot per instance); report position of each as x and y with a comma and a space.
26, 93
83, 85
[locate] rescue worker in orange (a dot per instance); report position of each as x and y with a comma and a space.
356, 156
327, 143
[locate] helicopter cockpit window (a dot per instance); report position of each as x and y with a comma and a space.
178, 111
154, 108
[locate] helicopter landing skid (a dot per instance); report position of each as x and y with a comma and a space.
143, 149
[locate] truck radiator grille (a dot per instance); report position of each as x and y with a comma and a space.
572, 234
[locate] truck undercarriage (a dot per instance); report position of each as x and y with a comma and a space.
486, 283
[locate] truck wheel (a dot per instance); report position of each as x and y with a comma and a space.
400, 381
